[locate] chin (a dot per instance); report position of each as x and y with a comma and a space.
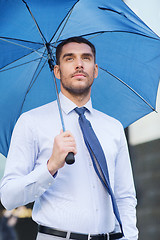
80, 90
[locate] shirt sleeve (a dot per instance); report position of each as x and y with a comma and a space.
125, 190
24, 180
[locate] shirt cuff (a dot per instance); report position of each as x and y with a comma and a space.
55, 174
43, 178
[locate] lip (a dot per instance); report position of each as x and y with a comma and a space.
79, 75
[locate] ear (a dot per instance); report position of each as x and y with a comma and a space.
96, 71
57, 71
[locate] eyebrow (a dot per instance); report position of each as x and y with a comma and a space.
87, 55
72, 54
67, 55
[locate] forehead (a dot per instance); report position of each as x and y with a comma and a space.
76, 48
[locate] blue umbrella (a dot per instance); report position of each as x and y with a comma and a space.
128, 55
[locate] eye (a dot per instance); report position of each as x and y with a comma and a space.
69, 58
87, 57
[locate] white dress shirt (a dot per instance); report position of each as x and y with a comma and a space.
74, 200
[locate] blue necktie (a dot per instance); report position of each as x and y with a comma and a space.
97, 156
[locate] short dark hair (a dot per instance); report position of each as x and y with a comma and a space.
76, 40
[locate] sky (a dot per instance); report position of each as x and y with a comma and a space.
148, 11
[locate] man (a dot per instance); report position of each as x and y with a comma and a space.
70, 198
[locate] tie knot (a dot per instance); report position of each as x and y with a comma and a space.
80, 111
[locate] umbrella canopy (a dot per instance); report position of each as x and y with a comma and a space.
128, 55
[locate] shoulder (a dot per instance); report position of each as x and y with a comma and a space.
39, 115
41, 111
108, 129
106, 119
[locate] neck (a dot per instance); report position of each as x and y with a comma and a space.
80, 100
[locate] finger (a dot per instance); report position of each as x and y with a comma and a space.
68, 139
70, 144
66, 134
71, 149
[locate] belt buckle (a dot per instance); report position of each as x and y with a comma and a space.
106, 236
68, 235
89, 236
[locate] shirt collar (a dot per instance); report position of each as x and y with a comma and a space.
67, 105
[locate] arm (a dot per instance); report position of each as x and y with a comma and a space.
25, 180
125, 191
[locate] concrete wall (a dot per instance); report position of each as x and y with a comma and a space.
146, 168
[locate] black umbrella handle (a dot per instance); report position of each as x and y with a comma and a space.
70, 159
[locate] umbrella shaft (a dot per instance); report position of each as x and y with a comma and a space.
51, 65
59, 104
50, 58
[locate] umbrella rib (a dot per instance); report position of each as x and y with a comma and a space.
101, 32
41, 34
20, 59
20, 45
93, 35
32, 82
128, 87
1, 69
21, 40
68, 14
158, 39
19, 65
63, 28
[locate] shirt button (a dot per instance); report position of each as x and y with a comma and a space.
49, 184
36, 196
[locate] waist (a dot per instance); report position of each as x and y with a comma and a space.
83, 218
78, 236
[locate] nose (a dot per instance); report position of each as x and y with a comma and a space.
79, 63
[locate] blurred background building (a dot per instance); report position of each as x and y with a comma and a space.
144, 146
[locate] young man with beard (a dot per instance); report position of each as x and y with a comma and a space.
70, 200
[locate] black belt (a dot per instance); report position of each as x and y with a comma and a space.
78, 236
